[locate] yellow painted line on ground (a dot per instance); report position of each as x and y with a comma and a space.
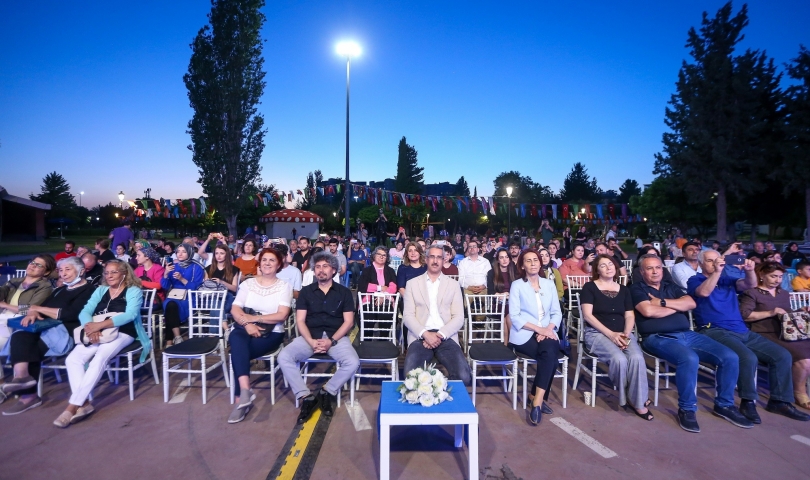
299, 447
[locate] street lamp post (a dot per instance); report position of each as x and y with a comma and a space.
81, 194
121, 199
509, 221
348, 50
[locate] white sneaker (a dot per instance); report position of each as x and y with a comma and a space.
177, 340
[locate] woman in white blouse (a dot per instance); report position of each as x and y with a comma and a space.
259, 310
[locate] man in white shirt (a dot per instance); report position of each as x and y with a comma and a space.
472, 271
433, 314
289, 273
683, 271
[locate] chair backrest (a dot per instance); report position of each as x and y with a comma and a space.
623, 280
146, 309
206, 312
484, 318
580, 325
454, 277
163, 261
691, 320
799, 300
19, 273
669, 263
577, 281
790, 277
628, 264
395, 263
378, 316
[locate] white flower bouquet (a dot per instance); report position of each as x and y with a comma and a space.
426, 386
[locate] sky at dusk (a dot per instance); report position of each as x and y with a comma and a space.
94, 91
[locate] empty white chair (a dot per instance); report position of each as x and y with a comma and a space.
378, 336
485, 345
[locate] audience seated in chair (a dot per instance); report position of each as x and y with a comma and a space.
661, 306
378, 277
717, 315
761, 308
577, 264
433, 313
27, 349
186, 274
608, 313
289, 274
32, 289
499, 281
324, 317
412, 266
536, 316
150, 272
116, 304
357, 261
259, 310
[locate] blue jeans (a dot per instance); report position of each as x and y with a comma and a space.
753, 348
685, 350
448, 353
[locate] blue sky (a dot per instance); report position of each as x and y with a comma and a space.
94, 91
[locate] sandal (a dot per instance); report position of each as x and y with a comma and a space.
646, 415
648, 403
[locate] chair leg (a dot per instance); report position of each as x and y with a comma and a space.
565, 383
514, 384
474, 381
657, 381
204, 382
131, 377
224, 368
232, 388
354, 387
272, 380
593, 384
117, 368
39, 383
58, 375
666, 378
525, 383
154, 366
165, 379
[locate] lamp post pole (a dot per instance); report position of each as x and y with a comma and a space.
509, 213
348, 50
347, 194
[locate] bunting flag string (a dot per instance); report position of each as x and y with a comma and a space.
560, 213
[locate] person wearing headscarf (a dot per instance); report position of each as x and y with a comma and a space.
792, 253
137, 246
149, 270
185, 274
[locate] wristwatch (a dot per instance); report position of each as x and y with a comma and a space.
334, 342
663, 302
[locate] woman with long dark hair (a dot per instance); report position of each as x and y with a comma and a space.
499, 281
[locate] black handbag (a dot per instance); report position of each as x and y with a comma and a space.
265, 329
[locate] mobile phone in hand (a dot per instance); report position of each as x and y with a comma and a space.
735, 260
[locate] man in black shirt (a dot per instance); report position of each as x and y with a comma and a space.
92, 270
661, 319
324, 317
303, 253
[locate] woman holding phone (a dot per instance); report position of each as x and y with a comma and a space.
607, 308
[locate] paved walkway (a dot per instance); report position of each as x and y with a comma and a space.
150, 439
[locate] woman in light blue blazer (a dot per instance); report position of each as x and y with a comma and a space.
536, 316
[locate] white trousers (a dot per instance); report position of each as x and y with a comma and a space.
96, 357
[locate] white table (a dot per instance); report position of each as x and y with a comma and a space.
459, 412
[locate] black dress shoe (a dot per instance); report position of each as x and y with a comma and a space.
546, 409
786, 409
327, 403
309, 404
734, 416
536, 415
749, 409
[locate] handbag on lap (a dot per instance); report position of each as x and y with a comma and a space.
107, 335
795, 326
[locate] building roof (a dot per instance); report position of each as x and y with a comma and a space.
4, 195
292, 215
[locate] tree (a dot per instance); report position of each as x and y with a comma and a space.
721, 117
664, 201
409, 175
579, 187
462, 189
796, 128
628, 189
225, 83
55, 191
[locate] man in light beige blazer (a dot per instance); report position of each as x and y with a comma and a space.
433, 314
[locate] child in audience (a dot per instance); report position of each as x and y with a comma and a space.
801, 283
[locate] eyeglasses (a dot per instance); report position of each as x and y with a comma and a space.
111, 272
38, 265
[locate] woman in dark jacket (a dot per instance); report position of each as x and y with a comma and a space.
499, 281
28, 349
378, 277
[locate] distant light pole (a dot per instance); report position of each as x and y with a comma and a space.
81, 194
121, 199
509, 221
347, 49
